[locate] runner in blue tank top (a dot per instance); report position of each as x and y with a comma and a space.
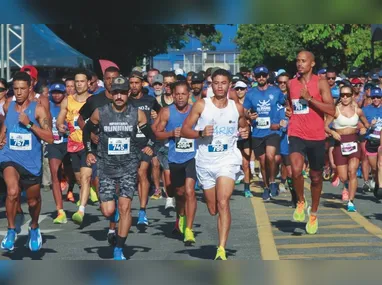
57, 151
26, 124
181, 159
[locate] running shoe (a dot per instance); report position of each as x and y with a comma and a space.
220, 254
93, 195
312, 225
299, 213
182, 224
377, 193
157, 194
142, 218
19, 221
326, 173
266, 195
8, 242
61, 218
282, 188
64, 185
112, 238
372, 183
70, 197
359, 172
335, 181
78, 217
248, 194
170, 203
35, 239
118, 254
304, 173
366, 186
274, 189
345, 195
351, 207
189, 237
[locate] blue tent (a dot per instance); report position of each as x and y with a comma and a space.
44, 48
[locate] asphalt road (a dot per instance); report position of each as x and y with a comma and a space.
259, 231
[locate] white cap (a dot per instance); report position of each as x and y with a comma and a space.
240, 84
100, 83
179, 71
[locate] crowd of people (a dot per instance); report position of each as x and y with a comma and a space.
201, 130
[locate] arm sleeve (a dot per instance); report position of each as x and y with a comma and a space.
87, 109
147, 131
88, 129
156, 106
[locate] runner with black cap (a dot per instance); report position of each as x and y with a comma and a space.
197, 80
118, 155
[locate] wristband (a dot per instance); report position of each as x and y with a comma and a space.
30, 125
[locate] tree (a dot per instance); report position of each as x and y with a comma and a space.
127, 44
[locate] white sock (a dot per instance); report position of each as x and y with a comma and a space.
82, 209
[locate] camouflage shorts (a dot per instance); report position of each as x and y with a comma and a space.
127, 185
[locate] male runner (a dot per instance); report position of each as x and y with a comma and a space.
26, 124
218, 159
310, 100
118, 155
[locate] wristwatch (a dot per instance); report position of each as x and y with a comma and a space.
30, 124
201, 134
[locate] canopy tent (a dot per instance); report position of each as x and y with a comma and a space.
44, 48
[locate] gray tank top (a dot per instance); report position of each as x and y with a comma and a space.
117, 150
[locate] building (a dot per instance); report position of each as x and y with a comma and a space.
194, 57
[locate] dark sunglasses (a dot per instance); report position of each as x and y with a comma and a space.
157, 83
264, 75
346, 95
282, 82
375, 97
331, 78
2, 89
240, 88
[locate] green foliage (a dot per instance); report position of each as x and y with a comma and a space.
276, 45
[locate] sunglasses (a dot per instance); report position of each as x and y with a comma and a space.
375, 97
157, 83
2, 89
331, 78
282, 82
264, 75
346, 95
240, 88
356, 85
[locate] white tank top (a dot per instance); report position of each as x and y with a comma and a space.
343, 122
220, 149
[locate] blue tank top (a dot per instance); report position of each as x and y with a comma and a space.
23, 146
54, 111
180, 149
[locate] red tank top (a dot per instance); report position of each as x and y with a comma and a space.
306, 122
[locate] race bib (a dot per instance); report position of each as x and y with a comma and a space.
20, 141
263, 122
218, 145
300, 106
185, 145
118, 146
75, 123
139, 133
349, 148
57, 138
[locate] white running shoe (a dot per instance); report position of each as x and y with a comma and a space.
170, 203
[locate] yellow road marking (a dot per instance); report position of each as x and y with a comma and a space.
329, 244
320, 215
264, 229
328, 255
283, 209
343, 226
320, 236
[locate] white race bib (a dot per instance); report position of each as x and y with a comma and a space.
75, 123
349, 148
20, 141
139, 133
300, 106
218, 145
185, 145
118, 146
263, 122
57, 138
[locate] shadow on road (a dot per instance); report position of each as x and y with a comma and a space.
106, 252
288, 226
205, 252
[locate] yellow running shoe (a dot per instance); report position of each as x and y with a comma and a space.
182, 224
93, 195
220, 254
312, 225
157, 194
189, 237
78, 217
299, 213
61, 218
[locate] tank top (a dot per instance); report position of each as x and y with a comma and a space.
220, 149
75, 138
23, 146
36, 97
117, 149
180, 149
163, 102
306, 123
54, 111
343, 122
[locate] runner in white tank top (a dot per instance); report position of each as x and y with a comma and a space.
217, 158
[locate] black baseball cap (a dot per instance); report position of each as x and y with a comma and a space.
197, 77
354, 72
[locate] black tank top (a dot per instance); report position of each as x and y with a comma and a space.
163, 102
